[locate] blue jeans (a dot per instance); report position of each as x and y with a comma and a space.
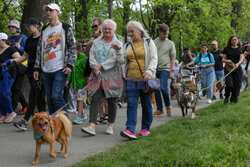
219, 74
133, 95
54, 84
5, 102
163, 76
207, 79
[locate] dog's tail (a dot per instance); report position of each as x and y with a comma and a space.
67, 124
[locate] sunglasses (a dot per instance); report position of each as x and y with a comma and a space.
95, 26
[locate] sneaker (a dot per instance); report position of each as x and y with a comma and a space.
21, 125
84, 116
72, 111
89, 130
158, 112
144, 132
2, 118
23, 111
9, 118
128, 134
169, 111
209, 101
193, 115
78, 120
221, 96
109, 130
213, 98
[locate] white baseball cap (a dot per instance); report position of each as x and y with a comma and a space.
52, 6
214, 43
3, 36
14, 23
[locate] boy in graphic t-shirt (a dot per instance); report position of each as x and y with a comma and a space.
56, 57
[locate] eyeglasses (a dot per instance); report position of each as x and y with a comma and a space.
95, 26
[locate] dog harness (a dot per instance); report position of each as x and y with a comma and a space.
37, 136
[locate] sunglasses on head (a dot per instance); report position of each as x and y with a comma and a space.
95, 26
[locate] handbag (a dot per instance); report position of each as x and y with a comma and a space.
229, 67
152, 85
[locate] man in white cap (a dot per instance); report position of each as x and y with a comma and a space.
218, 67
56, 56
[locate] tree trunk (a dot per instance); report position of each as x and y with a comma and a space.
126, 14
110, 3
34, 8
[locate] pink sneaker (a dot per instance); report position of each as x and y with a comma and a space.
2, 118
9, 118
144, 132
128, 134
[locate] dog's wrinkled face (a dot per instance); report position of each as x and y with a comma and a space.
187, 98
41, 120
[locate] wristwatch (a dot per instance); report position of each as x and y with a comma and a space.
171, 70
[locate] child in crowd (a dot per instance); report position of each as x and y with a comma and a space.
79, 82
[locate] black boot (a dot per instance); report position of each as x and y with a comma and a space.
226, 100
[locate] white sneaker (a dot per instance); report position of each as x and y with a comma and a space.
193, 115
109, 130
209, 101
89, 130
72, 111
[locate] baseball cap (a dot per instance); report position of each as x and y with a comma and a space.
52, 6
186, 49
214, 43
14, 23
31, 21
3, 36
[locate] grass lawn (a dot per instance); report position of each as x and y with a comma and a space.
219, 136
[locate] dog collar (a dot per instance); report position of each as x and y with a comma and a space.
37, 136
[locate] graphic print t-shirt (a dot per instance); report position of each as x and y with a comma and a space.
53, 58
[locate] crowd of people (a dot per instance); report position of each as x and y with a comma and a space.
59, 68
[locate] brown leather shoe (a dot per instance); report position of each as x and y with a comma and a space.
158, 112
169, 111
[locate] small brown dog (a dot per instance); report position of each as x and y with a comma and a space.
47, 130
188, 101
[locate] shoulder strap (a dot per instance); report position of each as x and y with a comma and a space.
20, 39
136, 58
208, 54
148, 41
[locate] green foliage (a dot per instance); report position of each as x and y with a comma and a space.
9, 10
219, 136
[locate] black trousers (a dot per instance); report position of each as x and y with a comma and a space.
17, 94
36, 98
94, 107
233, 83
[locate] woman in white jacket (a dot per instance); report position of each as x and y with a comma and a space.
146, 54
104, 64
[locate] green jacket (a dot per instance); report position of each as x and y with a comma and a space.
77, 76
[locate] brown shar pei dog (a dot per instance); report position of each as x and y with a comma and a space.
47, 130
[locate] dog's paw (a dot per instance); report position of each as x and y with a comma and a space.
66, 155
60, 152
53, 155
35, 162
